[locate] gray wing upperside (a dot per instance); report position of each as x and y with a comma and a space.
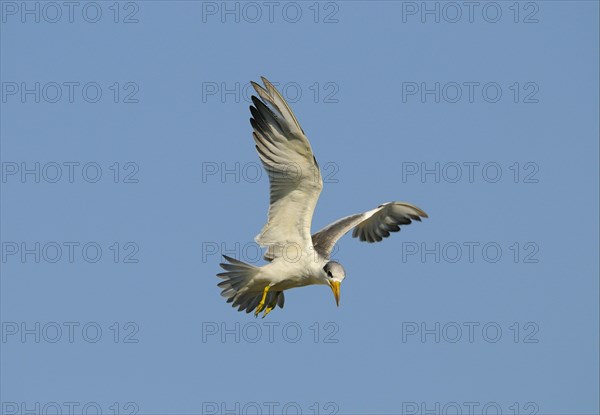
371, 226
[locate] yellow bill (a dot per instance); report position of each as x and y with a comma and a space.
335, 287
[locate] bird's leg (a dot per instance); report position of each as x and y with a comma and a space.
272, 304
268, 310
261, 305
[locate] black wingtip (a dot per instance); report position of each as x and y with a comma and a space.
256, 101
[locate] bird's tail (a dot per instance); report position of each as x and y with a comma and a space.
236, 286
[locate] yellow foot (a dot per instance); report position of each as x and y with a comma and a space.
267, 311
261, 305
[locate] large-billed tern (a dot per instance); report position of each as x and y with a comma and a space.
295, 257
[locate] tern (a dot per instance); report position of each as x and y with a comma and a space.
295, 258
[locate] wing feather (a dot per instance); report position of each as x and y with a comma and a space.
294, 176
371, 226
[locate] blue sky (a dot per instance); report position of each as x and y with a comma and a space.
128, 167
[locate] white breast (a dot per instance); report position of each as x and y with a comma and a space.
290, 272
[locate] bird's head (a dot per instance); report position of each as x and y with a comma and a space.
334, 275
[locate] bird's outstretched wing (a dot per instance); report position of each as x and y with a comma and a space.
371, 226
292, 168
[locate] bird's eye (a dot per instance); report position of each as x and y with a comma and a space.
329, 274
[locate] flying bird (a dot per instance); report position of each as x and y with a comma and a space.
296, 258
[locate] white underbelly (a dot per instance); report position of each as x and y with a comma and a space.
284, 274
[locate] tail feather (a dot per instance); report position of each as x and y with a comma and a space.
236, 286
